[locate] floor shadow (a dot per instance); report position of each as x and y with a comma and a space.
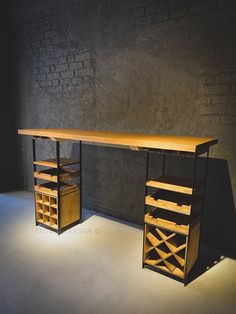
219, 218
218, 232
208, 258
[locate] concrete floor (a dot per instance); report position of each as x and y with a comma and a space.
96, 268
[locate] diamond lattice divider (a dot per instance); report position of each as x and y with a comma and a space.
165, 250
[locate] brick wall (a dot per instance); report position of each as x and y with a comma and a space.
54, 70
160, 66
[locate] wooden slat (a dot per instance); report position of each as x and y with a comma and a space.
175, 249
170, 221
179, 248
162, 201
162, 234
180, 260
169, 266
168, 142
175, 184
152, 239
51, 174
163, 255
177, 272
151, 262
53, 162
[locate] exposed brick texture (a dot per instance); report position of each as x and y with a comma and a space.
51, 68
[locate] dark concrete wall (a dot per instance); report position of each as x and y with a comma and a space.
8, 151
164, 67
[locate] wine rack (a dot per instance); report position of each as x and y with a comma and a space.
172, 220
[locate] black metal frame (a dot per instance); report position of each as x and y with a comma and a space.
35, 179
203, 196
58, 187
194, 155
145, 193
59, 229
185, 280
80, 177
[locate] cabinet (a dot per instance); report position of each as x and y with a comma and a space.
57, 197
172, 218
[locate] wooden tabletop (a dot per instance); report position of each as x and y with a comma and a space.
168, 142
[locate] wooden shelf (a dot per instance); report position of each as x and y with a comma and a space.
171, 201
51, 174
50, 188
174, 184
171, 221
53, 162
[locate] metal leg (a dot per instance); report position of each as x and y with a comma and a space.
35, 179
145, 189
58, 187
163, 163
185, 281
203, 197
34, 158
205, 179
80, 165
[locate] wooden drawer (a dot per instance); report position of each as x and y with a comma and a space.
50, 188
51, 174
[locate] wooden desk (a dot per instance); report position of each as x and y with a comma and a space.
168, 142
172, 210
